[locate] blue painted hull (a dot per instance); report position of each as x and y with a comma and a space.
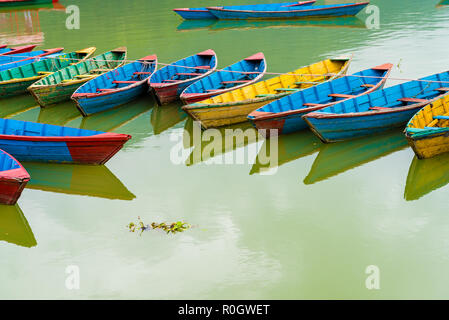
101, 103
21, 59
337, 129
195, 13
303, 12
41, 151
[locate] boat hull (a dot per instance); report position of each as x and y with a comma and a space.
15, 88
333, 11
218, 116
194, 13
48, 95
332, 129
166, 94
430, 146
96, 149
98, 103
11, 187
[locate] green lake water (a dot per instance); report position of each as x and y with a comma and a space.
308, 231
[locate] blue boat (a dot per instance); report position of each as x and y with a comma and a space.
31, 141
377, 111
204, 13
277, 11
115, 87
285, 115
170, 81
237, 75
20, 59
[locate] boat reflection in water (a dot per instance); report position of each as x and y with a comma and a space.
59, 114
443, 3
113, 119
218, 25
339, 157
290, 147
93, 181
426, 176
211, 143
14, 106
21, 25
166, 117
14, 227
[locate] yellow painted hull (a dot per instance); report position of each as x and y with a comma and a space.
233, 107
427, 135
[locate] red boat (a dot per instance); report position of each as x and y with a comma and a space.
15, 50
13, 179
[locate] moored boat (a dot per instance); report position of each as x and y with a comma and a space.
204, 13
30, 141
16, 80
237, 75
8, 51
14, 3
428, 131
234, 106
60, 86
285, 115
115, 87
13, 178
21, 59
378, 111
170, 81
277, 11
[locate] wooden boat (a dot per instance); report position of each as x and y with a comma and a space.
30, 141
285, 115
14, 227
170, 81
14, 3
378, 111
16, 80
204, 13
277, 11
115, 87
234, 106
235, 76
426, 176
13, 178
428, 131
74, 179
21, 59
337, 158
8, 51
60, 86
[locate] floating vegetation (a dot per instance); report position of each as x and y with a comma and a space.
174, 227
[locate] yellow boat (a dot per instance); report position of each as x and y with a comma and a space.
428, 131
234, 106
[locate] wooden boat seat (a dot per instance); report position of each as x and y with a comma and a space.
441, 117
119, 82
287, 89
312, 104
188, 74
235, 81
443, 89
368, 85
379, 108
340, 95
413, 100
203, 67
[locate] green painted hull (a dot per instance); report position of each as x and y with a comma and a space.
23, 3
60, 86
14, 89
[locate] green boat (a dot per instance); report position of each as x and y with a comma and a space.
15, 81
60, 86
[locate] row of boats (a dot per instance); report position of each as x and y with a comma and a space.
335, 106
285, 10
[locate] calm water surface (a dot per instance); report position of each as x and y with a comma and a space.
306, 232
